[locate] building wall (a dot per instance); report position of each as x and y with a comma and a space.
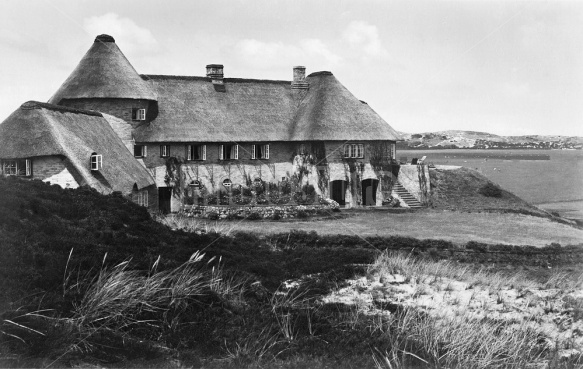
53, 169
320, 164
121, 108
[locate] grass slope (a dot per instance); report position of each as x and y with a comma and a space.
459, 189
89, 279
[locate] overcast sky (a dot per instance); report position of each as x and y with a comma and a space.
508, 68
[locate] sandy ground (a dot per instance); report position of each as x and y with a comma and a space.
492, 228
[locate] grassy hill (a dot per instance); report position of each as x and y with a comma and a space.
89, 280
471, 139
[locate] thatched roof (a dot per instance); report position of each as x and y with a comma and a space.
190, 109
104, 72
39, 129
330, 110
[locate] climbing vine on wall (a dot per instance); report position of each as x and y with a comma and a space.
172, 177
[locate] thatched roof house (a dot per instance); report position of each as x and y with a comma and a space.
207, 131
41, 130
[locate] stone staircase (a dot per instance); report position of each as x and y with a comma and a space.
404, 195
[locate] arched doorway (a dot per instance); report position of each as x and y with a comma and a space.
338, 191
369, 192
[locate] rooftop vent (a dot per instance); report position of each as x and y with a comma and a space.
299, 82
215, 73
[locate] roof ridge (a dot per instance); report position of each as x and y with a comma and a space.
29, 105
202, 78
321, 73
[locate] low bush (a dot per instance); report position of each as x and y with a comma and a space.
490, 190
254, 216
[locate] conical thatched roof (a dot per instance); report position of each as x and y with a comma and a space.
330, 110
191, 110
104, 72
39, 129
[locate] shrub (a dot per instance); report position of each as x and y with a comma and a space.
490, 190
212, 215
276, 215
302, 214
254, 216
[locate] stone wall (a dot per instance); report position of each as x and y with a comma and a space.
409, 178
259, 212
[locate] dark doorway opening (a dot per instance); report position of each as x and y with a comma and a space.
338, 191
164, 196
369, 192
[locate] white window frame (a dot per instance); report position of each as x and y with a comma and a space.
355, 151
96, 162
200, 149
17, 167
143, 198
393, 151
233, 154
263, 149
164, 151
144, 151
138, 114
347, 151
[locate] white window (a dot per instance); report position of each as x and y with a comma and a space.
354, 151
393, 151
138, 114
228, 152
196, 152
21, 167
96, 162
164, 151
140, 151
141, 198
260, 151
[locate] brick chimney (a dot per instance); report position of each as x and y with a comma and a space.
215, 73
299, 82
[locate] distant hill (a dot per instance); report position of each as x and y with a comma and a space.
482, 140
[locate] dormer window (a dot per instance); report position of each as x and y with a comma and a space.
140, 151
260, 151
22, 167
96, 161
138, 114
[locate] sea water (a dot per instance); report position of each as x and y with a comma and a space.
549, 179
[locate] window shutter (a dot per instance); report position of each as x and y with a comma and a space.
144, 150
253, 152
146, 198
203, 152
267, 151
236, 152
28, 167
188, 152
346, 151
221, 156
